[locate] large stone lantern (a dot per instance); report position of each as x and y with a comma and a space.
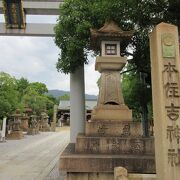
110, 104
111, 138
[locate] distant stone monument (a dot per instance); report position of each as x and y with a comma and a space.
25, 118
16, 132
33, 125
44, 126
53, 123
165, 63
111, 138
3, 131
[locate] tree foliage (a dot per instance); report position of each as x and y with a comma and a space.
137, 93
78, 16
64, 97
18, 93
38, 87
73, 37
8, 94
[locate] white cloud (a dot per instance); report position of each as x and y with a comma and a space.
41, 19
91, 78
35, 59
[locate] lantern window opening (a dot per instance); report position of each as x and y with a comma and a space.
111, 49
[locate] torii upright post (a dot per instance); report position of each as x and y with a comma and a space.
165, 64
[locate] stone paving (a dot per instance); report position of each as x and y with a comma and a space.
34, 157
56, 175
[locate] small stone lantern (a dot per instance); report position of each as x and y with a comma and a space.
33, 125
44, 122
25, 118
17, 120
110, 104
16, 132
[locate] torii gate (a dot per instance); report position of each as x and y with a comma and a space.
15, 12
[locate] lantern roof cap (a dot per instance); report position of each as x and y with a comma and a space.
110, 31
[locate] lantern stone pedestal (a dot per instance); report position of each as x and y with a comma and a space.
111, 138
15, 135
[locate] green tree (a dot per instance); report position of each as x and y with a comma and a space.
22, 85
36, 98
8, 94
38, 87
78, 16
136, 92
35, 101
18, 93
64, 97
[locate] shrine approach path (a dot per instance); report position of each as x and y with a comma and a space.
32, 158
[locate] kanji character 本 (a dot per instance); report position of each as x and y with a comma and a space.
169, 68
172, 90
173, 112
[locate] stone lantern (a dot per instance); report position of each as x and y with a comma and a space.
110, 104
33, 125
25, 118
16, 130
111, 138
44, 122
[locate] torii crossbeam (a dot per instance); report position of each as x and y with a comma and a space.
15, 12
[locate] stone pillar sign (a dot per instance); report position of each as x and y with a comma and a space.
165, 64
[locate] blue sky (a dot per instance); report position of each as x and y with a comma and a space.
35, 58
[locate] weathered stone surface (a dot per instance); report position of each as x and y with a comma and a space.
120, 173
114, 128
33, 131
108, 176
72, 162
165, 63
109, 63
15, 135
110, 105
24, 124
114, 145
112, 112
90, 176
44, 126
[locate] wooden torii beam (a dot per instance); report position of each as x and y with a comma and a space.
33, 7
39, 7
